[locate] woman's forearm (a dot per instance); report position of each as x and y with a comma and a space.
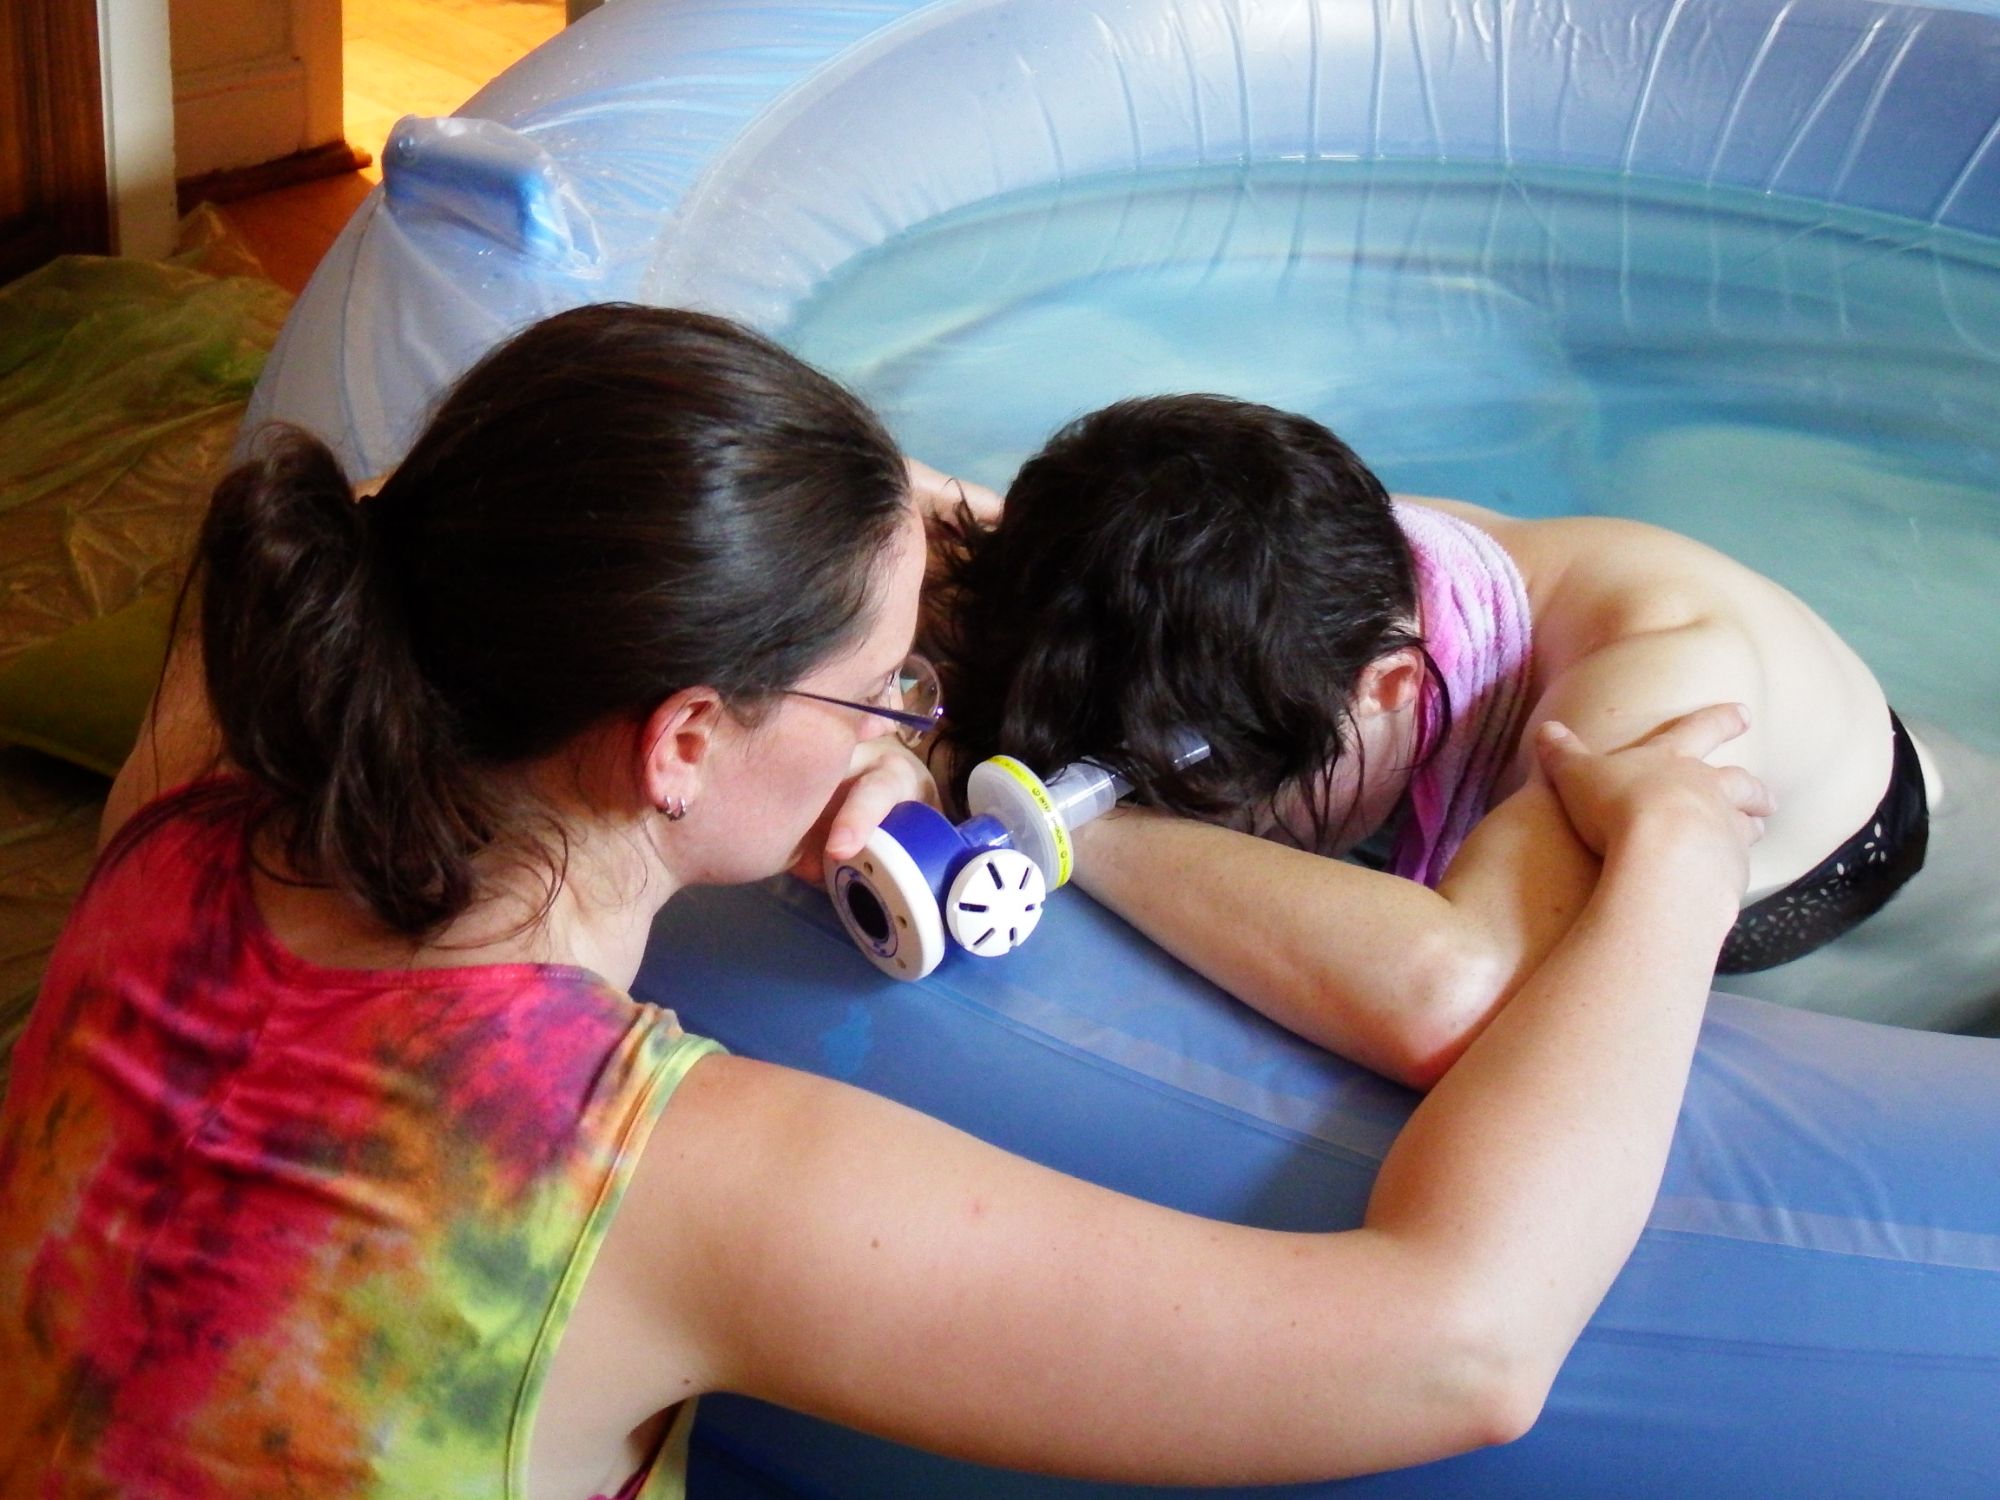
1533, 1164
1379, 969
1061, 1325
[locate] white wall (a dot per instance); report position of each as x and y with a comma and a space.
254, 80
137, 74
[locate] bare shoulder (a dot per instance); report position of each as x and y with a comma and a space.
178, 742
1593, 579
1602, 577
1547, 546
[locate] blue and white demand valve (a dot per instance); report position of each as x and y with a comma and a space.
922, 885
920, 882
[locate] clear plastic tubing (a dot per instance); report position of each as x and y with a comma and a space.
1085, 790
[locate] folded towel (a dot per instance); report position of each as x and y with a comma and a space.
1473, 612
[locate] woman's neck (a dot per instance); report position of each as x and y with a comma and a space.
589, 904
592, 908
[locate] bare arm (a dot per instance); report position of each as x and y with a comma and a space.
178, 741
938, 496
797, 1240
1379, 969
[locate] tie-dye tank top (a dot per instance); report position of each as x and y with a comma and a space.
268, 1228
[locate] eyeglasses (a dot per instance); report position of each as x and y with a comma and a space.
914, 691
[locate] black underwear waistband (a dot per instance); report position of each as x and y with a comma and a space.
1849, 885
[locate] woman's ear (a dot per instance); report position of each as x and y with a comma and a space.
1391, 683
675, 744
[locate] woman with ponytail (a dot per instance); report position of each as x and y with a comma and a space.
337, 1161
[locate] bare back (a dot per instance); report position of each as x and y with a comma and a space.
1635, 625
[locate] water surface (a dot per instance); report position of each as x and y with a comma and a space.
1814, 390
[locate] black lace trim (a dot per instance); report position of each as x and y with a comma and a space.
1848, 886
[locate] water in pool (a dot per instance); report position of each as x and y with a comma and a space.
1815, 391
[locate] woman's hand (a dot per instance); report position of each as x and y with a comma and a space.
950, 507
938, 497
864, 1264
883, 772
1662, 774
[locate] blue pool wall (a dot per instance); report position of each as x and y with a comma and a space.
1814, 1307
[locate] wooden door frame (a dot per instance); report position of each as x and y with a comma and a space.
54, 44
135, 59
242, 114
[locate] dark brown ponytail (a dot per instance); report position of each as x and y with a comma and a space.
618, 503
317, 693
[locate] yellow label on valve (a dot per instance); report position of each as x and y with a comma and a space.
1052, 820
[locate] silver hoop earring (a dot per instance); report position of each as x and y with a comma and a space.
675, 809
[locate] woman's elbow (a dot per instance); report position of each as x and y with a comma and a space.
1508, 1408
1499, 1377
1453, 992
1491, 1419
1422, 1058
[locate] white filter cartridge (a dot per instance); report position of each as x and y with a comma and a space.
1039, 816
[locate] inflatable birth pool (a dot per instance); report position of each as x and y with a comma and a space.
1814, 1308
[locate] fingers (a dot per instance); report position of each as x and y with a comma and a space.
940, 495
1746, 793
868, 803
1696, 734
1703, 730
885, 773
1557, 749
1555, 743
984, 504
926, 484
1753, 803
1670, 756
882, 773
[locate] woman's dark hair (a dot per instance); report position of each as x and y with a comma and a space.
1180, 561
618, 503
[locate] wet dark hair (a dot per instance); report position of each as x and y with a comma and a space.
618, 503
1181, 561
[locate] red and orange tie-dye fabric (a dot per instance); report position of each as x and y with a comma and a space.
268, 1228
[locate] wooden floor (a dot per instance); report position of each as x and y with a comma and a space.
402, 57
427, 57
